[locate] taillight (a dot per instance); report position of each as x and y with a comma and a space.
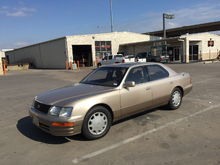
123, 61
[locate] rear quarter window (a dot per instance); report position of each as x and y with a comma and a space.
157, 72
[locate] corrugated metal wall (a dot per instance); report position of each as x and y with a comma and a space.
51, 55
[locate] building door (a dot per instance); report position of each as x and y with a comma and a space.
170, 53
83, 54
193, 52
174, 53
176, 56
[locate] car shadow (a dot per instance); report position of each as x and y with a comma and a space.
78, 137
29, 130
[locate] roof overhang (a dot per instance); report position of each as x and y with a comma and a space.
199, 28
153, 41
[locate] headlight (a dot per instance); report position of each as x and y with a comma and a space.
66, 112
54, 111
60, 111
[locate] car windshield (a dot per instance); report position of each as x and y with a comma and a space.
118, 56
106, 76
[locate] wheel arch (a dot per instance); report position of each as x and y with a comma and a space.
106, 106
181, 89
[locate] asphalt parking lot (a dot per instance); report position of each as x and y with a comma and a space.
189, 135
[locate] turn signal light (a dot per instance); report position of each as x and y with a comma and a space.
62, 124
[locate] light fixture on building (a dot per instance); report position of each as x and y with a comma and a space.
211, 43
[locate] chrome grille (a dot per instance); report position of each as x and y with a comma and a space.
41, 107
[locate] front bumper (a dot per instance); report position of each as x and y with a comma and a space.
44, 121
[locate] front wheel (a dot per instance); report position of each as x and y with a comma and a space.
97, 123
175, 99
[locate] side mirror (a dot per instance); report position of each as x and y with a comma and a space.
129, 84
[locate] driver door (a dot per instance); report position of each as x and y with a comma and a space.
137, 98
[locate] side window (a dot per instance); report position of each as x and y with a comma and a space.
156, 72
110, 57
138, 75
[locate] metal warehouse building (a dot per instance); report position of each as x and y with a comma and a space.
84, 48
183, 44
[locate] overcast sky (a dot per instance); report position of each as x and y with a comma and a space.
25, 22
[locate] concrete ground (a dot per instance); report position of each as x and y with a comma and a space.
189, 135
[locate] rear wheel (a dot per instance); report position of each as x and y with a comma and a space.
97, 123
175, 99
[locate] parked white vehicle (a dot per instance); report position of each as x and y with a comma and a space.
111, 59
129, 58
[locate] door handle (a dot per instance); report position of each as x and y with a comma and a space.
171, 82
148, 88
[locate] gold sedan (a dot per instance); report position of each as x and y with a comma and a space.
106, 95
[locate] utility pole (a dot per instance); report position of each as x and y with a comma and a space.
111, 16
165, 16
164, 26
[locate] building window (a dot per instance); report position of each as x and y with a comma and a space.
103, 48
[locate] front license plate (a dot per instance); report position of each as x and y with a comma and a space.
35, 121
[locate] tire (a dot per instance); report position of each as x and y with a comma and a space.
175, 99
92, 129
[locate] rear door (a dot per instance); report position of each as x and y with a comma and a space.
138, 98
160, 84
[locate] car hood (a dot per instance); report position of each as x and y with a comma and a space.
72, 93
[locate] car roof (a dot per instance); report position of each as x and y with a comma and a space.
134, 64
128, 65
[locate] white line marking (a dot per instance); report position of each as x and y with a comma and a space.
198, 82
101, 151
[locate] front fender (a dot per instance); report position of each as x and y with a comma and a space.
111, 99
